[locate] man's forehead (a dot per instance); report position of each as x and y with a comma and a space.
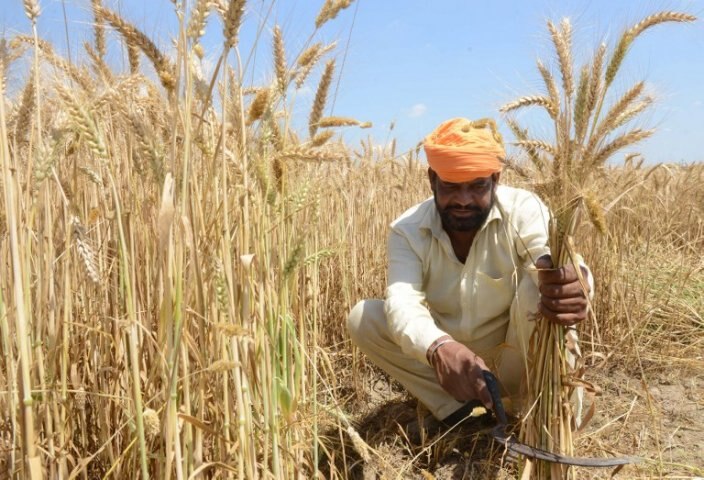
476, 181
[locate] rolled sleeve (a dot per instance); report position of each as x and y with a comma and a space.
409, 321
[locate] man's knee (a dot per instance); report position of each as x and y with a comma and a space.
361, 321
354, 320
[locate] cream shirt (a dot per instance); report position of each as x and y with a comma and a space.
431, 293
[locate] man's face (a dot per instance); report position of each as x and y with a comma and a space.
463, 207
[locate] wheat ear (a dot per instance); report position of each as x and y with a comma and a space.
280, 61
321, 96
544, 102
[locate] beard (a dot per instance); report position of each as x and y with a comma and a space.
463, 219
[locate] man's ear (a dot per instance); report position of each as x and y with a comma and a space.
495, 177
432, 176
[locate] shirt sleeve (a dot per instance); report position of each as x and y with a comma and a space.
409, 321
532, 238
532, 232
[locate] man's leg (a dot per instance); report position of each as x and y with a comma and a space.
368, 330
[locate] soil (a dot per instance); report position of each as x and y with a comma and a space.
660, 420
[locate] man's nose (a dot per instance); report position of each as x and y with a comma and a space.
465, 197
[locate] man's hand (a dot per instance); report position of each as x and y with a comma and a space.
459, 372
562, 299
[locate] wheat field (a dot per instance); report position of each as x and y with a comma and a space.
178, 260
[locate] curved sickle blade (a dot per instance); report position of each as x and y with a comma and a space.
512, 445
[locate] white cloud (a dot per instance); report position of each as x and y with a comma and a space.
417, 110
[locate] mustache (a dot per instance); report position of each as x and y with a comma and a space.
463, 209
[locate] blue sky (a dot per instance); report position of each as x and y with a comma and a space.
415, 63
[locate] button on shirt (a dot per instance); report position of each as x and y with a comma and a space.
431, 293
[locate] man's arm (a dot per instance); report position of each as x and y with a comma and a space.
562, 297
410, 323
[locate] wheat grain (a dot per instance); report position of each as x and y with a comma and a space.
321, 96
23, 122
136, 39
152, 424
629, 35
537, 145
31, 9
327, 122
330, 10
98, 30
544, 102
607, 123
321, 138
280, 61
628, 138
232, 21
77, 74
581, 120
83, 121
595, 212
306, 66
197, 22
550, 85
85, 252
308, 154
258, 106
562, 39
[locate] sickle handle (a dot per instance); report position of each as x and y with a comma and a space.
493, 386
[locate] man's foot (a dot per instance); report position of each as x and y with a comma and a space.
429, 426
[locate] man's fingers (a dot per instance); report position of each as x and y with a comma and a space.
553, 290
566, 274
565, 305
565, 319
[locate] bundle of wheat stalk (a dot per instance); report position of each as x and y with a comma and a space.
564, 176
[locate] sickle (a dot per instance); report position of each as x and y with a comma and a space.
514, 446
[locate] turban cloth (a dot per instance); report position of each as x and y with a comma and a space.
460, 150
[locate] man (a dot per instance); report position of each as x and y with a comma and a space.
468, 271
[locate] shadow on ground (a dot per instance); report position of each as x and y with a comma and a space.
464, 452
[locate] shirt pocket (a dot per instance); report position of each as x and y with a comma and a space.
492, 296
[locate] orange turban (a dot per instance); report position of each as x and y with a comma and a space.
460, 150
